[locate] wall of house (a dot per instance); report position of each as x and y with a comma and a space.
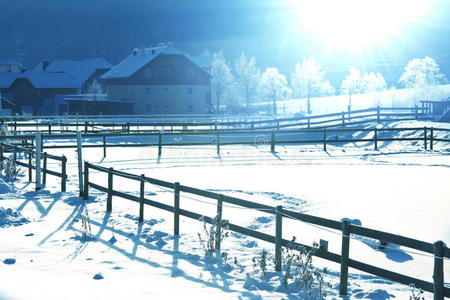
175, 86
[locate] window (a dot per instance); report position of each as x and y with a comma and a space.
190, 73
148, 91
148, 108
166, 71
148, 73
190, 108
189, 91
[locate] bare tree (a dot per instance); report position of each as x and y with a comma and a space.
352, 84
247, 77
221, 78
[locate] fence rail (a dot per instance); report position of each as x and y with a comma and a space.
438, 249
14, 149
215, 122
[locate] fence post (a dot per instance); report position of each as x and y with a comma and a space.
431, 138
30, 167
80, 163
86, 127
218, 221
417, 111
344, 256
64, 173
309, 122
272, 142
176, 211
278, 235
110, 188
141, 200
343, 119
218, 144
86, 181
104, 145
438, 273
324, 139
425, 142
375, 138
38, 160
1, 153
159, 144
378, 114
49, 128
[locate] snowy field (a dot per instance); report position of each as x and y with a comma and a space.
400, 188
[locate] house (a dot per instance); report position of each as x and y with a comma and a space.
10, 65
160, 80
34, 92
84, 71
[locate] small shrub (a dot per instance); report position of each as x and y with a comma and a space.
86, 224
216, 233
8, 168
415, 294
260, 262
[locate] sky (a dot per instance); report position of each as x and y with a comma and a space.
374, 36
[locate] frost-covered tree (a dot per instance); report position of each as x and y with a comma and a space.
274, 86
247, 77
373, 82
221, 78
308, 81
422, 74
95, 88
352, 84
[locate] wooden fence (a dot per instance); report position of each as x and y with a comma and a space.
135, 124
438, 249
14, 149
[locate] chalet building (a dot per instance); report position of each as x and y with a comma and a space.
34, 92
160, 80
84, 71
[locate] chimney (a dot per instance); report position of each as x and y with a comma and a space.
135, 51
45, 64
23, 70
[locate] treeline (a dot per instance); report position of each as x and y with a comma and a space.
239, 84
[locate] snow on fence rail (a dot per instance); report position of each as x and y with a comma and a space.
14, 149
134, 124
438, 249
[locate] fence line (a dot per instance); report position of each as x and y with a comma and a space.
438, 249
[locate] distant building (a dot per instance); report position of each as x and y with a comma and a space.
83, 71
34, 92
161, 80
10, 65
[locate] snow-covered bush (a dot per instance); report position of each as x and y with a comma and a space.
415, 294
260, 262
216, 233
8, 168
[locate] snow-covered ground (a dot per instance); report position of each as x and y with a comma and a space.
400, 189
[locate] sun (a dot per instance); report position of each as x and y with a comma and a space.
355, 24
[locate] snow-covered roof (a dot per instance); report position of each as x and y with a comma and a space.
138, 59
81, 70
40, 80
7, 78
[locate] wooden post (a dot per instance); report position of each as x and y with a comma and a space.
110, 188
80, 163
15, 127
141, 200
417, 112
104, 145
378, 114
425, 142
176, 211
30, 167
218, 222
1, 153
343, 119
159, 144
344, 256
324, 139
309, 122
278, 236
38, 160
218, 144
49, 128
64, 173
438, 273
431, 138
86, 181
375, 138
86, 127
15, 154
272, 142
